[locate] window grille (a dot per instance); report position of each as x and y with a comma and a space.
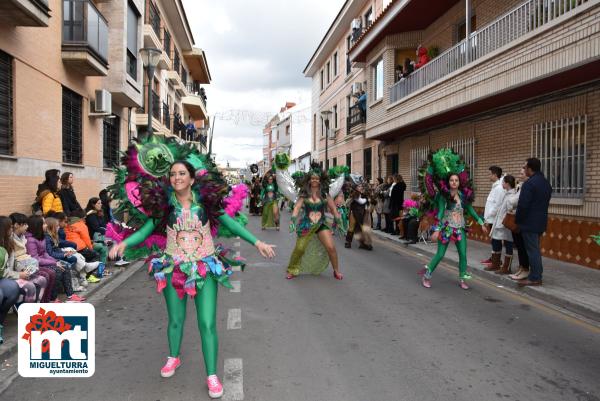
466, 148
561, 147
111, 140
6, 104
418, 156
71, 127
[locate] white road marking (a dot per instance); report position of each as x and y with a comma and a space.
234, 319
237, 286
237, 244
233, 380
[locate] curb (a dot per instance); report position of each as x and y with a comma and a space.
110, 283
533, 292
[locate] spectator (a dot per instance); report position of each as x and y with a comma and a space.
422, 57
62, 237
379, 201
69, 255
523, 271
190, 129
386, 205
107, 213
67, 194
47, 193
362, 104
398, 73
78, 232
408, 68
492, 204
499, 233
396, 201
36, 247
532, 218
91, 259
23, 262
94, 220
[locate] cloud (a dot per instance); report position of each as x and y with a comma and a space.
256, 50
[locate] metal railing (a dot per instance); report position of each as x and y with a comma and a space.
355, 117
84, 25
154, 18
166, 116
518, 22
176, 61
155, 105
194, 88
167, 42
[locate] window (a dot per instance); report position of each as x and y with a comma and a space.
287, 130
322, 82
328, 72
367, 160
561, 147
334, 163
369, 17
167, 42
418, 156
348, 63
166, 116
392, 163
378, 79
6, 104
461, 29
132, 37
335, 64
322, 126
466, 148
335, 116
349, 160
71, 127
111, 140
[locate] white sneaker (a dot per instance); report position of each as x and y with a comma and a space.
121, 262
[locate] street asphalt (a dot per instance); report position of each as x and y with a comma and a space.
377, 335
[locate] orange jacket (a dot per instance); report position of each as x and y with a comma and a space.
77, 232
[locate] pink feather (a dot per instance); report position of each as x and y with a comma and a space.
235, 201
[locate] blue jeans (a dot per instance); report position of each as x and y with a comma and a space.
497, 246
532, 247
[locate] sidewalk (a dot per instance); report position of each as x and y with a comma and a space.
119, 273
569, 286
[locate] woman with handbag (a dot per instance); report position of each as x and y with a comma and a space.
501, 233
523, 271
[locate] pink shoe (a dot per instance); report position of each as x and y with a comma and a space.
289, 276
426, 282
169, 369
338, 276
215, 388
463, 284
75, 299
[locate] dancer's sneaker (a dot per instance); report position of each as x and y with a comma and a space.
289, 276
338, 276
426, 282
215, 388
75, 299
463, 284
169, 369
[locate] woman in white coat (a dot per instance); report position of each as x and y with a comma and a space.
501, 235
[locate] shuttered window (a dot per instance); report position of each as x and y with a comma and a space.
72, 136
110, 140
6, 104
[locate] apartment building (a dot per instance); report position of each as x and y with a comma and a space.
507, 80
338, 123
182, 70
69, 76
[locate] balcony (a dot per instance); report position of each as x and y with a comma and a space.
355, 122
196, 62
532, 50
24, 12
164, 61
85, 38
175, 79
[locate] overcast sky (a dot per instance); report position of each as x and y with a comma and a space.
256, 52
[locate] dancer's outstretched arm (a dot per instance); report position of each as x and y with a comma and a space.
134, 239
237, 229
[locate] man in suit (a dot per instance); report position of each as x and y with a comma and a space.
532, 217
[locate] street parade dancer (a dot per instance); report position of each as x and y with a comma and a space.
360, 218
448, 193
314, 247
179, 202
270, 202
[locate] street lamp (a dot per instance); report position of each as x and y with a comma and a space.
325, 114
150, 57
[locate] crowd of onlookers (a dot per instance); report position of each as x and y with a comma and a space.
59, 248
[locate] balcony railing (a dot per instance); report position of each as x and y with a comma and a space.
154, 18
176, 61
167, 42
83, 25
355, 117
527, 17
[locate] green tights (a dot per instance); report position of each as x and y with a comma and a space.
461, 247
206, 312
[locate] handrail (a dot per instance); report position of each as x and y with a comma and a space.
525, 18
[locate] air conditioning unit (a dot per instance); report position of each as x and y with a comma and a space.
102, 104
331, 133
356, 22
356, 87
